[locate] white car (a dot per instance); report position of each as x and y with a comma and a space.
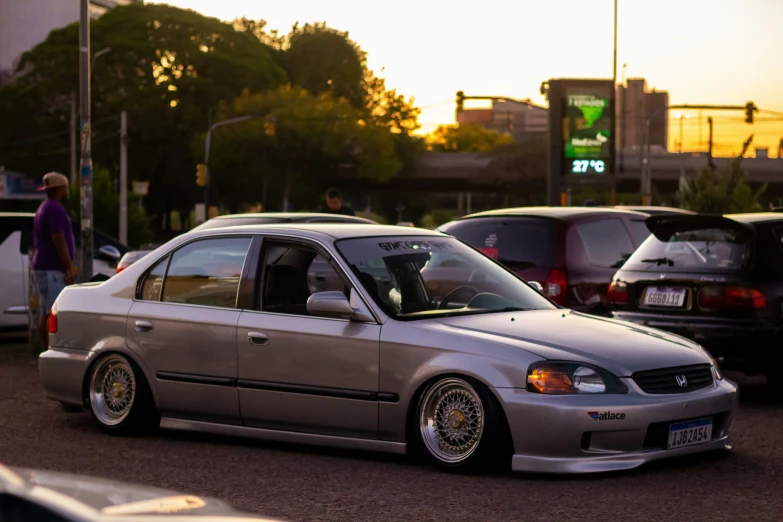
16, 240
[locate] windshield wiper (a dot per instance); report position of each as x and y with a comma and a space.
659, 261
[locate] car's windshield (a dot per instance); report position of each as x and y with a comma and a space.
422, 277
696, 250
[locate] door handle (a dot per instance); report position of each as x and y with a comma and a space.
143, 326
257, 338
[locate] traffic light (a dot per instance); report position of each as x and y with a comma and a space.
460, 100
750, 108
201, 175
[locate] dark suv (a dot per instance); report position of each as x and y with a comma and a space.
717, 280
573, 252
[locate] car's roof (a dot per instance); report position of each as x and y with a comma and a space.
17, 214
289, 215
652, 209
563, 213
756, 217
330, 230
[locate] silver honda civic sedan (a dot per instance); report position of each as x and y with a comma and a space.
377, 338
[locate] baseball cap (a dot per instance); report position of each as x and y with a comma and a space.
52, 180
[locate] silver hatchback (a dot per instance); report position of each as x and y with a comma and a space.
358, 336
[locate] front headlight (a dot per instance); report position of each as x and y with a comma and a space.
718, 374
563, 378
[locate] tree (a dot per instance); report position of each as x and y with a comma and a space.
721, 192
106, 210
466, 138
167, 67
315, 138
322, 59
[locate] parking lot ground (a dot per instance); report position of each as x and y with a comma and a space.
299, 483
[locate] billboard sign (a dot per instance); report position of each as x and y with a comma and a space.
587, 133
14, 185
581, 134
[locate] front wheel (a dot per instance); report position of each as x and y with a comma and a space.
120, 399
461, 426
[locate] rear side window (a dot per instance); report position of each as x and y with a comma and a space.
606, 242
206, 272
153, 281
518, 243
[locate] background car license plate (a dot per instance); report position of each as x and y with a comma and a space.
672, 297
689, 433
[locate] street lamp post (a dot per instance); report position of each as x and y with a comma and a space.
208, 145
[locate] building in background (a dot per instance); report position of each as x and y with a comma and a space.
26, 23
518, 118
635, 104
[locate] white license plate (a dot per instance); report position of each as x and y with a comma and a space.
689, 433
670, 297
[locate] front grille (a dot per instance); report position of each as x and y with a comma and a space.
658, 432
680, 379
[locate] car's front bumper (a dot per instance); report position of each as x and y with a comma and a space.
558, 434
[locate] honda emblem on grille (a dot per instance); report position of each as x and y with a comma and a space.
681, 381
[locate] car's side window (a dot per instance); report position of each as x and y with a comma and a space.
153, 282
606, 242
291, 274
206, 272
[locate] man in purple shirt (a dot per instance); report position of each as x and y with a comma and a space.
55, 250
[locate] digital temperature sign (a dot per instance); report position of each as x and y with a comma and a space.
587, 133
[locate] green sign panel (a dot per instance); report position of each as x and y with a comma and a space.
587, 133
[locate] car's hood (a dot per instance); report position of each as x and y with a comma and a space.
620, 347
110, 499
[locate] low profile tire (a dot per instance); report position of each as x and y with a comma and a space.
461, 426
119, 396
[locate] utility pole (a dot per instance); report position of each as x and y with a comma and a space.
622, 121
709, 153
124, 177
613, 193
86, 135
74, 168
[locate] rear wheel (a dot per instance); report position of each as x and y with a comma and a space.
461, 426
120, 398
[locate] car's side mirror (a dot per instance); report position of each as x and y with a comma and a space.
537, 286
110, 254
335, 304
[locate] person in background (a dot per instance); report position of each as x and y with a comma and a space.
334, 204
54, 247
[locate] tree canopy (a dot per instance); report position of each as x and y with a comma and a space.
466, 138
299, 142
175, 71
721, 192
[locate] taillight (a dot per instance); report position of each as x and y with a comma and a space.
718, 297
555, 286
121, 266
617, 293
53, 321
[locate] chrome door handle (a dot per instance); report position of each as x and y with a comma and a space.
257, 338
143, 326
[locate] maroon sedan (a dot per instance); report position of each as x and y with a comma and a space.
573, 252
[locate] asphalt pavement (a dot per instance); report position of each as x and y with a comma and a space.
300, 483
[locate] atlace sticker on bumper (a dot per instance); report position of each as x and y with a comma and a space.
607, 415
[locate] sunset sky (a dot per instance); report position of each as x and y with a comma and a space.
700, 51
